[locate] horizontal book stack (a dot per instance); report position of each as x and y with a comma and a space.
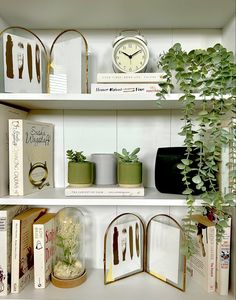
127, 83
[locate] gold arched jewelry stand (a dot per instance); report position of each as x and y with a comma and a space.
42, 44
86, 52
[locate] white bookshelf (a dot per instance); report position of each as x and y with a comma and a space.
163, 23
140, 286
57, 197
92, 101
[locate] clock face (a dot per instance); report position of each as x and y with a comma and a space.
130, 55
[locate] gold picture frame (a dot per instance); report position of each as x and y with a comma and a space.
46, 55
86, 52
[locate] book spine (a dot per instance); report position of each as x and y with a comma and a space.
39, 256
15, 257
3, 257
132, 88
131, 77
223, 262
211, 264
16, 157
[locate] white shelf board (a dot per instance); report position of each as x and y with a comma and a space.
102, 14
56, 196
140, 286
91, 101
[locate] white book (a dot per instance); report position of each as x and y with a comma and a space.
6, 113
7, 213
125, 88
202, 263
130, 77
22, 248
109, 190
223, 262
43, 235
30, 156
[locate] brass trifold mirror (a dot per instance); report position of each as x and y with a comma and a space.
130, 248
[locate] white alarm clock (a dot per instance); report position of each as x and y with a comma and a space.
130, 53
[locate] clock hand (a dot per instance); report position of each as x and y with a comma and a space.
129, 56
135, 53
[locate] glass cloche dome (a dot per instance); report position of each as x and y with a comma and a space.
69, 260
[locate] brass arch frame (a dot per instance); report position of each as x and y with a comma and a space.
105, 243
86, 52
42, 44
183, 236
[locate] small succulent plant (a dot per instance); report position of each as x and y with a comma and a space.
127, 156
75, 156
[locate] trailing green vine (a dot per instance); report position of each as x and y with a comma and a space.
211, 73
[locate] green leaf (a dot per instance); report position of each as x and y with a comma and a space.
196, 179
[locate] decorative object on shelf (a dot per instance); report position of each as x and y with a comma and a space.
125, 88
165, 259
69, 258
105, 168
25, 62
130, 53
67, 62
80, 171
130, 248
167, 175
31, 156
123, 247
129, 170
212, 72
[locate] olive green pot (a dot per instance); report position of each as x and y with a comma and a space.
80, 173
129, 174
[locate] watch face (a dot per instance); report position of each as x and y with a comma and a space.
130, 55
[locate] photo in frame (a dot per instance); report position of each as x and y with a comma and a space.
130, 248
69, 63
22, 64
123, 252
164, 249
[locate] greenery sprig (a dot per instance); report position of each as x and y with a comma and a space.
212, 73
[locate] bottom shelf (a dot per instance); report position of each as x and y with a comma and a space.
140, 286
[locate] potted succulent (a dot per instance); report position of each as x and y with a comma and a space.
212, 73
80, 171
129, 170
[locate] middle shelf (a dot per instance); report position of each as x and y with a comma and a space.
56, 196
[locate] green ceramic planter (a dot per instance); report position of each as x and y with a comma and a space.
80, 173
130, 174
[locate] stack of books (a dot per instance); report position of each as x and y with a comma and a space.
128, 83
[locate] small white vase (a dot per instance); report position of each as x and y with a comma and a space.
105, 168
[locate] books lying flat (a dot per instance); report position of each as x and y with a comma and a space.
130, 77
22, 248
125, 88
7, 213
30, 156
110, 190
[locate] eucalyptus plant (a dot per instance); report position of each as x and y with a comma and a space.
128, 157
211, 73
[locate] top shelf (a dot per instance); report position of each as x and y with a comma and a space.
109, 14
91, 101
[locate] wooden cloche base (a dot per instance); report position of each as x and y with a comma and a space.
69, 283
